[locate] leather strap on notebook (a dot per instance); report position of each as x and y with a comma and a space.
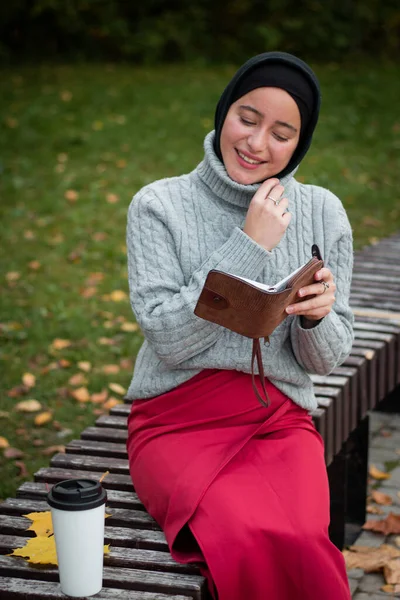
257, 355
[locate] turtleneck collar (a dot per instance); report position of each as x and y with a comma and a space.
213, 173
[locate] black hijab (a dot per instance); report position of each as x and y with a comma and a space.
282, 70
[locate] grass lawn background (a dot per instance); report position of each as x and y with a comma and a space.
76, 143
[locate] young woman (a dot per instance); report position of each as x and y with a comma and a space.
237, 487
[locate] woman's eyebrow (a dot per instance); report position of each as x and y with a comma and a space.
254, 110
283, 124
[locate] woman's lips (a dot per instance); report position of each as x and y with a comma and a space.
245, 164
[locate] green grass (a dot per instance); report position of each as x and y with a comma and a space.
100, 130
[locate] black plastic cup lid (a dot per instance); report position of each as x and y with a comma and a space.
77, 494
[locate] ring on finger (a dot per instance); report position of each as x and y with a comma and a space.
276, 201
326, 285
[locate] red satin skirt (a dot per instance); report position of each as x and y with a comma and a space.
238, 488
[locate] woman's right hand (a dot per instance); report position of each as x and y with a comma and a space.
266, 222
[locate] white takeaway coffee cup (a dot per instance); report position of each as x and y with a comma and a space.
78, 514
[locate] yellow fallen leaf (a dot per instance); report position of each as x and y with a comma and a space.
60, 344
84, 365
129, 326
40, 550
377, 474
4, 442
117, 388
112, 198
29, 235
41, 522
28, 406
29, 380
118, 296
43, 418
81, 394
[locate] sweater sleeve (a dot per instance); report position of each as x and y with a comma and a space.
320, 349
163, 302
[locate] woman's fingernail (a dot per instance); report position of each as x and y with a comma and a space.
289, 309
301, 292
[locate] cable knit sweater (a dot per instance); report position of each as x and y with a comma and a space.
181, 227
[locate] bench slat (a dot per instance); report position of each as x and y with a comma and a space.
13, 588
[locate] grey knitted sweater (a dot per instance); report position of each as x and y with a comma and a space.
181, 227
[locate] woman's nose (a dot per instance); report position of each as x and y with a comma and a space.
258, 141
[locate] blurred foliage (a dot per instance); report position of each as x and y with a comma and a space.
156, 30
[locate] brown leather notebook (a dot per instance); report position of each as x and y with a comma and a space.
253, 309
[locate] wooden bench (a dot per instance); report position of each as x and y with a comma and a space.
139, 564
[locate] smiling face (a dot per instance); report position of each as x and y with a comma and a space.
259, 135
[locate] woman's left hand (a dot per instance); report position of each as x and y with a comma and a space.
315, 309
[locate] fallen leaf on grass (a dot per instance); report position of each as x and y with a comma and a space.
389, 525
13, 276
126, 363
17, 391
129, 327
60, 344
88, 292
118, 296
13, 453
77, 379
100, 397
377, 474
117, 388
34, 265
28, 406
84, 365
43, 418
66, 95
29, 380
4, 442
111, 402
94, 278
29, 235
106, 341
71, 195
99, 236
381, 498
52, 450
112, 198
80, 394
110, 369
369, 558
23, 471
